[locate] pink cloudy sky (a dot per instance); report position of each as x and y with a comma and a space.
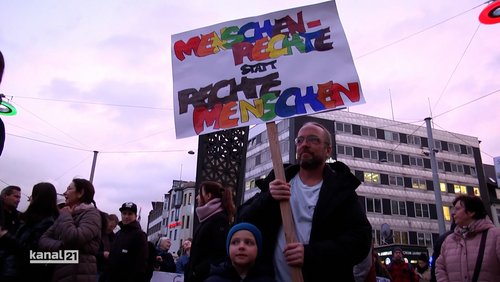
96, 75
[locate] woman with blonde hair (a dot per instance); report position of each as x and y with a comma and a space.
216, 211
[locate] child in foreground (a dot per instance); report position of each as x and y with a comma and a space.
243, 244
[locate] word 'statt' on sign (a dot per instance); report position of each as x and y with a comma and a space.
262, 69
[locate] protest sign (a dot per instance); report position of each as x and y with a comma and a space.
261, 69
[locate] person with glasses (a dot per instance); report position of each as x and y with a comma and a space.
332, 229
472, 251
78, 227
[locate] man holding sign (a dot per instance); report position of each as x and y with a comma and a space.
332, 229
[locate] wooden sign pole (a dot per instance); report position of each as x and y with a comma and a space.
286, 211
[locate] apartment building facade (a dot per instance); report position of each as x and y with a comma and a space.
155, 221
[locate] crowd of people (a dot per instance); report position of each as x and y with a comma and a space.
333, 235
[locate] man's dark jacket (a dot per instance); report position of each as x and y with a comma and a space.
340, 233
208, 247
129, 253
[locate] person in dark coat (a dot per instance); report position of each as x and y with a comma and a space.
106, 241
10, 196
215, 210
8, 258
437, 249
165, 260
40, 215
332, 229
244, 245
2, 126
151, 262
129, 251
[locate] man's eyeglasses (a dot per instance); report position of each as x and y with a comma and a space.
311, 139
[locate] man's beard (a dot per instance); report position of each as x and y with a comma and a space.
311, 163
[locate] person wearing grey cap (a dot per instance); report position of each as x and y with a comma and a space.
129, 251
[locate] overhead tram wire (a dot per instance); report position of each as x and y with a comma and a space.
36, 132
73, 167
397, 124
104, 152
417, 33
458, 137
456, 66
50, 143
51, 125
394, 149
95, 103
470, 102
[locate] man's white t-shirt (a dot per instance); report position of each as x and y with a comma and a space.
303, 201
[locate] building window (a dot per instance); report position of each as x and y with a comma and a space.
396, 180
424, 239
391, 136
455, 148
284, 147
457, 168
394, 158
470, 151
421, 210
442, 187
282, 125
373, 205
252, 142
190, 198
447, 213
416, 161
440, 165
398, 207
368, 131
401, 237
376, 236
265, 156
344, 127
345, 150
473, 171
250, 162
187, 221
183, 222
460, 189
476, 191
372, 177
175, 234
414, 140
370, 154
437, 145
418, 183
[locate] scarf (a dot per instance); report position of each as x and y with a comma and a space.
212, 207
83, 206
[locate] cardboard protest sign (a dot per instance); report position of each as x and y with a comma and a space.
261, 69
